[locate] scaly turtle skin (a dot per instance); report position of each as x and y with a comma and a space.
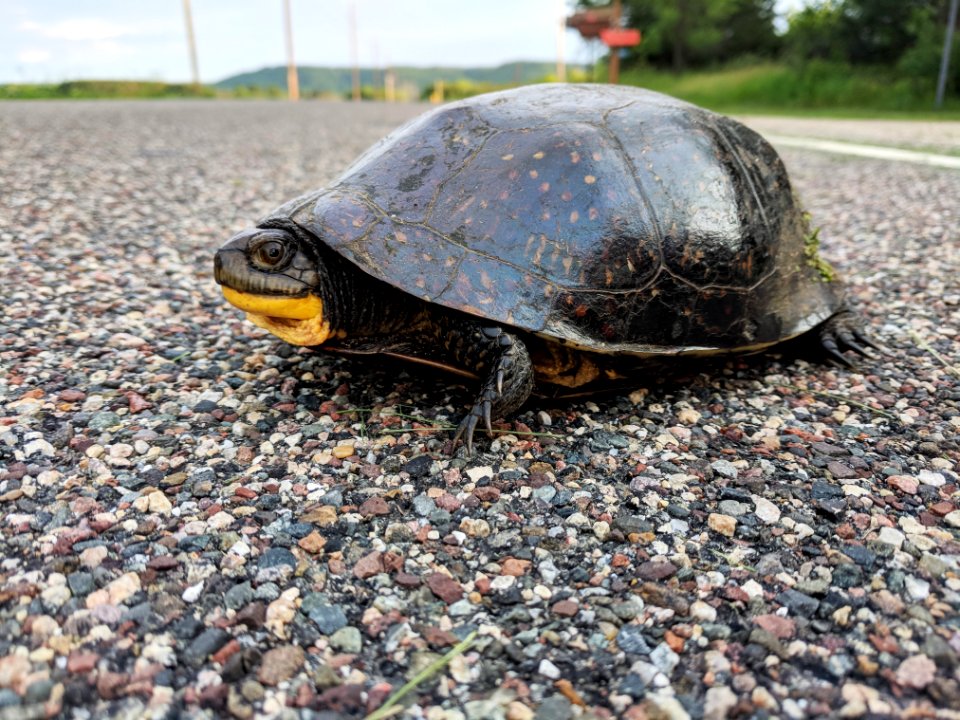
539, 236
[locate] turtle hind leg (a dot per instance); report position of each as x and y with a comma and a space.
844, 332
503, 362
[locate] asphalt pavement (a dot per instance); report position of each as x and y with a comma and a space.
201, 521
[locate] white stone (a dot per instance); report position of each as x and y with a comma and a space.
192, 593
703, 612
548, 669
916, 588
478, 473
767, 511
719, 701
891, 536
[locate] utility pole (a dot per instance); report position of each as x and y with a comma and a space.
354, 51
561, 37
945, 58
613, 72
191, 43
293, 81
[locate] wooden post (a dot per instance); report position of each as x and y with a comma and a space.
293, 81
613, 71
354, 52
191, 43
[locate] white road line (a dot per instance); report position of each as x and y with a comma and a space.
871, 151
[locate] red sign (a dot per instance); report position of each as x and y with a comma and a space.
620, 37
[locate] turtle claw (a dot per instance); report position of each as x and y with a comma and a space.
481, 410
842, 333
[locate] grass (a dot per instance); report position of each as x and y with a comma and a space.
815, 89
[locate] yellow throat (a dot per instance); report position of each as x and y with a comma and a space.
297, 320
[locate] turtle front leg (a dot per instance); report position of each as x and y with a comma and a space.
504, 363
843, 332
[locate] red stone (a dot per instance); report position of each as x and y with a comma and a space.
374, 506
942, 508
565, 608
444, 587
137, 403
163, 562
780, 627
224, 653
80, 661
404, 579
369, 565
487, 493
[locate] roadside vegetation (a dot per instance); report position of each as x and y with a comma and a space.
90, 89
832, 57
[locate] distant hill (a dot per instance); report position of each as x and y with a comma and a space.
335, 80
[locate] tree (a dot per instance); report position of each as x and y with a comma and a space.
694, 33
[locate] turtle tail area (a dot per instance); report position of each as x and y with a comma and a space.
844, 332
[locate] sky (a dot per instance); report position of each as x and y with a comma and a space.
47, 41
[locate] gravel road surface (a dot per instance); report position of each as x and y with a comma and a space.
200, 521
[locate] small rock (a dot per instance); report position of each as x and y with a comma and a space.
725, 468
722, 524
347, 640
548, 669
280, 663
444, 587
718, 702
916, 671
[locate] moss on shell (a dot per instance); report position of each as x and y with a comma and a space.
811, 251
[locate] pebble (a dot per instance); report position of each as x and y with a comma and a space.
722, 524
280, 664
347, 639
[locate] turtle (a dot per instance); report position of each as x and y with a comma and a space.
546, 237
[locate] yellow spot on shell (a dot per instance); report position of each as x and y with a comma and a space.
544, 187
509, 156
589, 179
574, 216
574, 157
401, 237
538, 155
534, 174
567, 195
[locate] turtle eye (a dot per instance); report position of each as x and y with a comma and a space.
269, 254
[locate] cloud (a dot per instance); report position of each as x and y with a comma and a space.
33, 56
80, 30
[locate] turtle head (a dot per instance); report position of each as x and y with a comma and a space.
271, 275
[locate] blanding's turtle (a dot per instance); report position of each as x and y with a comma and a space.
540, 236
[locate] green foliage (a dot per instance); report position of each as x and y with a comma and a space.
697, 33
882, 54
94, 89
818, 85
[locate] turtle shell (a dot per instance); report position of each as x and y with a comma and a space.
614, 219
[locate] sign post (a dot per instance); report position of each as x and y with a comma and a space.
604, 23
